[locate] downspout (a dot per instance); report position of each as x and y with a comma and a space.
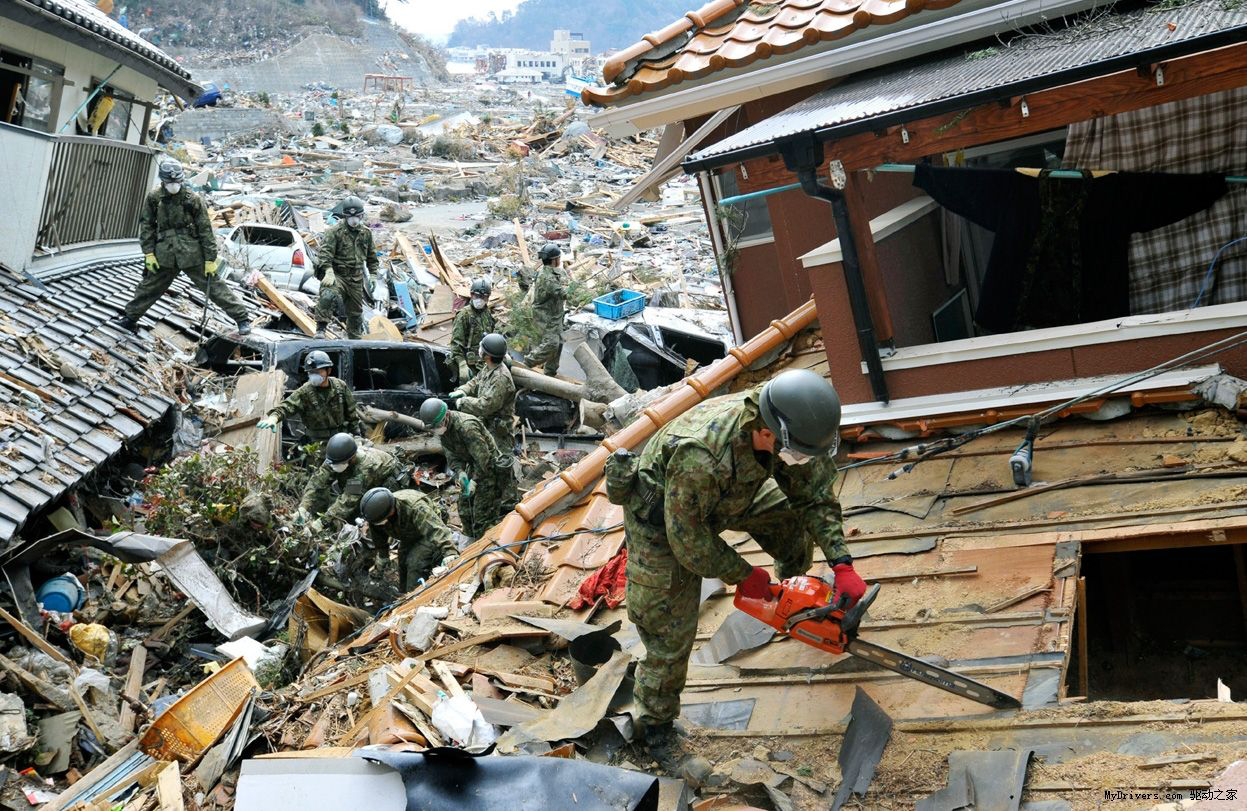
803, 157
716, 239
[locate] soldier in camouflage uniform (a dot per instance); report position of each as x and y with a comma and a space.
324, 404
485, 476
332, 494
758, 462
491, 394
549, 308
424, 540
472, 323
176, 234
344, 252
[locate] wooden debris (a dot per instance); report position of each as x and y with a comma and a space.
1017, 598
1175, 760
132, 687
35, 638
301, 319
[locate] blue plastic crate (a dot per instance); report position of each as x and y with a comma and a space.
619, 304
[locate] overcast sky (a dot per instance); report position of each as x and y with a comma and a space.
435, 19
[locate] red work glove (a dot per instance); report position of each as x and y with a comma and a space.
848, 582
757, 586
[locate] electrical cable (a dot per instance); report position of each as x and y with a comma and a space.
926, 450
1212, 266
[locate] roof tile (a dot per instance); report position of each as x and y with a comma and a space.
734, 33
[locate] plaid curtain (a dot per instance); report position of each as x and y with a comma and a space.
1203, 134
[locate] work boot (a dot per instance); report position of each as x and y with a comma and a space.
665, 746
128, 323
244, 327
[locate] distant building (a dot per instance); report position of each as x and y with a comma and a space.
574, 49
518, 65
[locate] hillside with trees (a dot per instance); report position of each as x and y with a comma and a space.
605, 23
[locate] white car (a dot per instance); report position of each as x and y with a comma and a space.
278, 252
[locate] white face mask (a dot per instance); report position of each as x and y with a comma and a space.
790, 457
478, 303
173, 188
381, 523
440, 430
315, 378
339, 467
353, 221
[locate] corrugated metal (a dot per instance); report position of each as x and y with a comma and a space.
1027, 59
82, 425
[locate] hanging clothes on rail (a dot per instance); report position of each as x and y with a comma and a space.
1060, 253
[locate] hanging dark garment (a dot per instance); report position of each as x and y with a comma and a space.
1061, 250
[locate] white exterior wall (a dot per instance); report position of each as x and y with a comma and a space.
81, 66
23, 177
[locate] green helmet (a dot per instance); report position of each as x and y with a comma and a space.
340, 448
316, 359
376, 505
352, 207
171, 172
432, 412
494, 345
803, 410
482, 287
548, 253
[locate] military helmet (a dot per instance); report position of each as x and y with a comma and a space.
494, 345
352, 207
340, 448
171, 172
481, 287
376, 505
803, 410
548, 253
432, 412
317, 359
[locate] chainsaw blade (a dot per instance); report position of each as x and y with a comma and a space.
931, 674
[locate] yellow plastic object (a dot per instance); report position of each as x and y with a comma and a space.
196, 720
90, 638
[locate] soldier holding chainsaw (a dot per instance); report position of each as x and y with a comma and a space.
759, 462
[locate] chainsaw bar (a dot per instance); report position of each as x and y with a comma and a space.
931, 674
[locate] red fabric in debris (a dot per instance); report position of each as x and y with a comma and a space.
610, 581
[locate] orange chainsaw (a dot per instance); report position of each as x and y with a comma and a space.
802, 608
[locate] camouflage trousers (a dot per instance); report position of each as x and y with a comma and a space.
155, 283
346, 294
663, 596
547, 353
416, 560
493, 496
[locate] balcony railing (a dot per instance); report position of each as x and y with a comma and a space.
94, 193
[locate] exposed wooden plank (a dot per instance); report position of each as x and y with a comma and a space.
1017, 598
169, 787
35, 638
448, 679
160, 633
335, 688
951, 571
864, 241
1175, 760
1081, 622
302, 320
362, 723
480, 639
133, 687
525, 256
89, 717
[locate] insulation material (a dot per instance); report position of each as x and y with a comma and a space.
194, 578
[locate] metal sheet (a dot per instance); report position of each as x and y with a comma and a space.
732, 714
738, 632
868, 733
984, 781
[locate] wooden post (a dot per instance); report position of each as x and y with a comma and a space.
867, 260
1083, 633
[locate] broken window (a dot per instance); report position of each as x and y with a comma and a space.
259, 235
107, 114
747, 222
29, 91
381, 369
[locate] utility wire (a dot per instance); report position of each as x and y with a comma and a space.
926, 450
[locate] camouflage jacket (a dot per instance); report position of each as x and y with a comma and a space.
177, 229
416, 519
370, 468
550, 297
347, 250
704, 465
491, 396
469, 446
471, 325
323, 410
